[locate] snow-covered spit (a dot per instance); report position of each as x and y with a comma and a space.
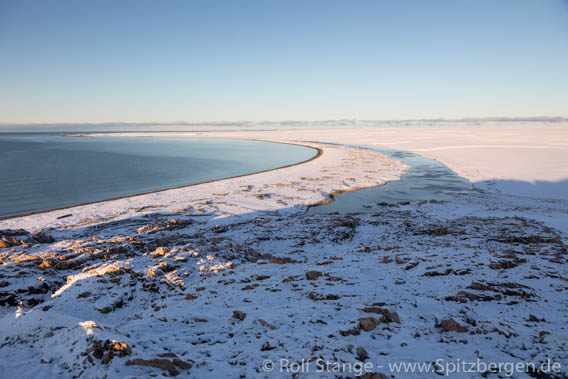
523, 159
289, 190
233, 279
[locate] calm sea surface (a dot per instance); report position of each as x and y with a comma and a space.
42, 171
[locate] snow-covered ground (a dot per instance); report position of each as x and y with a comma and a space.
232, 279
290, 190
522, 159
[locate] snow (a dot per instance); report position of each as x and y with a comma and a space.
339, 169
521, 159
155, 284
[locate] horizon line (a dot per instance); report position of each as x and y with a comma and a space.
352, 121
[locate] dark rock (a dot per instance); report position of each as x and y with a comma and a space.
451, 325
182, 364
312, 275
505, 265
317, 297
362, 354
282, 260
388, 316
533, 318
368, 323
267, 347
350, 332
8, 299
33, 302
264, 323
464, 297
42, 238
108, 350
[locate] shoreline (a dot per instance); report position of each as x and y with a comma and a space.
124, 291
527, 152
286, 189
471, 156
510, 159
318, 154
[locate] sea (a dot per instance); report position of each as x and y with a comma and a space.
45, 171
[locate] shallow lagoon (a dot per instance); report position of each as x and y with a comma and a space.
427, 179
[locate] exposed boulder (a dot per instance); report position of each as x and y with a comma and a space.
388, 316
368, 323
312, 275
451, 325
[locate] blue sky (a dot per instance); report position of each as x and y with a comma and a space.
145, 61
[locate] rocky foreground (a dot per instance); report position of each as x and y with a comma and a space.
479, 278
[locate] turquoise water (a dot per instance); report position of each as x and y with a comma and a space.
42, 171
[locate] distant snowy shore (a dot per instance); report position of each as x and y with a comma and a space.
522, 157
232, 279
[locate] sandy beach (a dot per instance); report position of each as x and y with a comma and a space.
232, 279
